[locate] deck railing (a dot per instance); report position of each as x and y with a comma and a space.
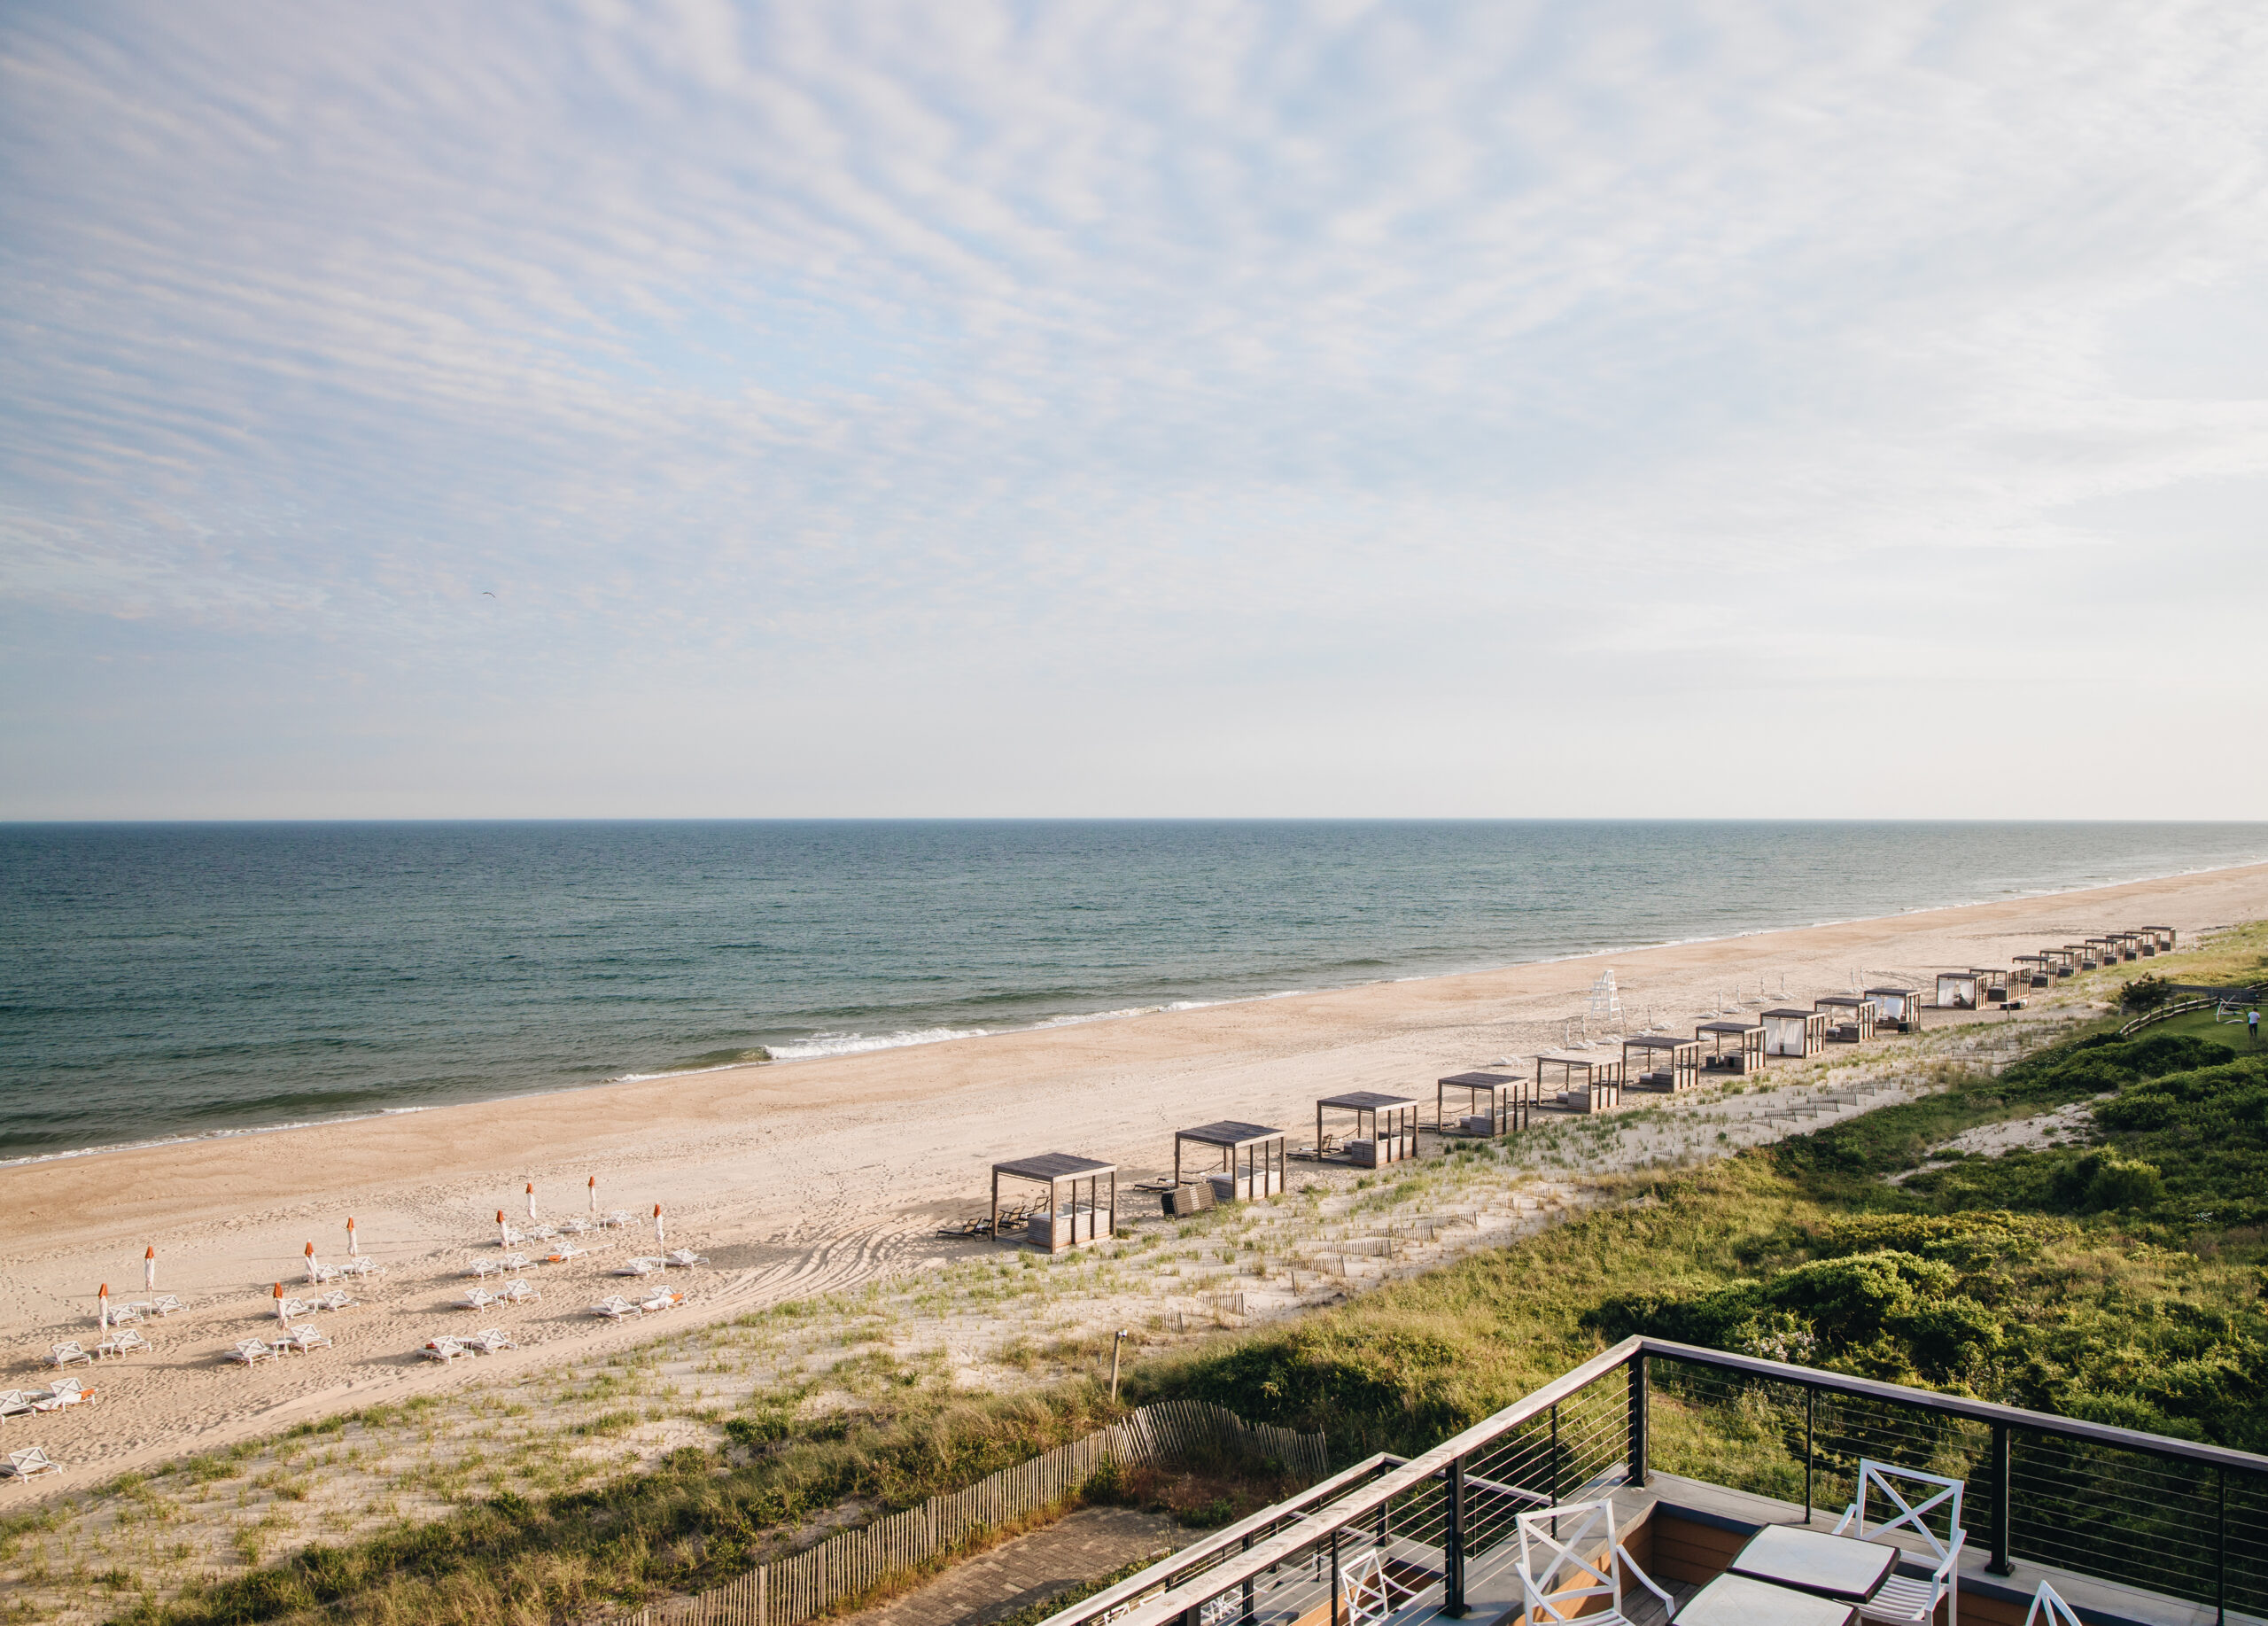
2181, 1519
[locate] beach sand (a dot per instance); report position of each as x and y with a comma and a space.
804, 1177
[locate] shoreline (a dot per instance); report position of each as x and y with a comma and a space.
1084, 1019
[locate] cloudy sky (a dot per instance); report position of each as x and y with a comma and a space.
1723, 407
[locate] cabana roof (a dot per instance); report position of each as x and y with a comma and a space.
1659, 1041
1367, 1100
1478, 1081
1229, 1134
1901, 993
1053, 1166
1725, 1025
1845, 1000
1785, 1010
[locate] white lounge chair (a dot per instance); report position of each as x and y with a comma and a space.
509, 1237
562, 1252
543, 1233
444, 1349
30, 1463
15, 1402
519, 1293
666, 1299
1580, 1560
289, 1307
125, 1341
480, 1298
513, 1263
307, 1336
642, 1266
164, 1304
250, 1352
614, 1307
575, 1227
338, 1298
684, 1256
482, 1266
617, 1217
1906, 1601
127, 1315
360, 1266
64, 1392
64, 1354
327, 1273
490, 1341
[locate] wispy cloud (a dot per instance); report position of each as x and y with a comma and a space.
894, 408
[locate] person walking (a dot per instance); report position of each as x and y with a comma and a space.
2252, 1024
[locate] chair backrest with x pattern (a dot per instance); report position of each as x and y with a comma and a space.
1363, 1582
2050, 1602
1563, 1538
1884, 1477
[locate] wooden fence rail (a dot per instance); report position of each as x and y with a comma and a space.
795, 1590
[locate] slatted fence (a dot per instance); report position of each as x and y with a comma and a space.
795, 1590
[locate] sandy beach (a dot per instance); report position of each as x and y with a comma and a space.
803, 1177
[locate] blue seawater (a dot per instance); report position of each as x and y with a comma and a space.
163, 980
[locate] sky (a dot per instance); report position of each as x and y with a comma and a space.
1726, 408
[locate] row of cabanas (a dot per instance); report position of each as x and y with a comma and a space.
1981, 985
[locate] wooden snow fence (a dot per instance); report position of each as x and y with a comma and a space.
795, 1589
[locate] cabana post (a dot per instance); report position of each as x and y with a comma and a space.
1492, 1103
1060, 1227
1391, 1119
1792, 1033
1850, 1017
1747, 1040
1664, 1062
1899, 1009
1252, 1159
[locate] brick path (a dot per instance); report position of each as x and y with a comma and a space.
1092, 1542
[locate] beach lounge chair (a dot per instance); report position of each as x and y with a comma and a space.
480, 1298
127, 1315
562, 1252
666, 1299
491, 1341
576, 1227
543, 1233
30, 1463
513, 1264
643, 1266
64, 1354
614, 1307
338, 1298
360, 1266
291, 1307
250, 1352
510, 1237
13, 1403
443, 1350
64, 1392
617, 1217
307, 1336
327, 1273
164, 1304
483, 1267
684, 1256
125, 1341
519, 1293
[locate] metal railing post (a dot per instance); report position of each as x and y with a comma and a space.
1453, 1544
1811, 1407
1636, 1474
2003, 1542
1553, 1475
2220, 1547
1248, 1616
1335, 1617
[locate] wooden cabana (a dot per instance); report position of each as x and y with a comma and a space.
1491, 1102
1788, 1031
1897, 1007
1062, 1226
2036, 969
1746, 1040
2146, 941
2166, 937
1392, 1121
2062, 963
1959, 990
1992, 984
2130, 944
1663, 1062
1252, 1159
1585, 1083
2095, 952
1850, 1017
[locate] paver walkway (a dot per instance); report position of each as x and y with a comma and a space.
1092, 1542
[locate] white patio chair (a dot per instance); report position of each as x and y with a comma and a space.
13, 1403
684, 1256
250, 1352
64, 1392
640, 1266
443, 1350
614, 1307
2049, 1602
519, 1293
30, 1463
307, 1336
64, 1354
1910, 1601
1569, 1578
1369, 1591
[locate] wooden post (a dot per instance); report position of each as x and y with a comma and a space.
996, 1203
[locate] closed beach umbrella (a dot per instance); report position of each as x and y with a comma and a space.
594, 1196
280, 1316
311, 1263
658, 1222
353, 1248
503, 1238
531, 1199
102, 1307
150, 1268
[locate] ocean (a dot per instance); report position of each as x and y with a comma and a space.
160, 981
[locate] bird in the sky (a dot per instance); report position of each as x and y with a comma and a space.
485, 593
